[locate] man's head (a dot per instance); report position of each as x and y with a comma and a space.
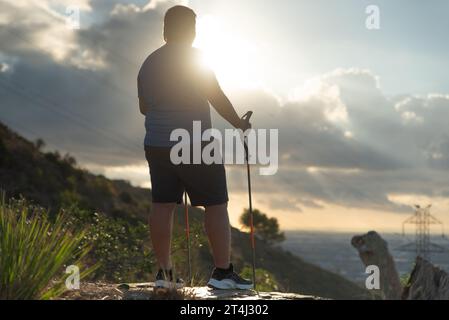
179, 25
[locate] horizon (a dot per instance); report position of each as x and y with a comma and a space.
361, 113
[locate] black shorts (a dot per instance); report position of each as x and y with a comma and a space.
205, 184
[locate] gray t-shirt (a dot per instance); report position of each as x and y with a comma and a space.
174, 86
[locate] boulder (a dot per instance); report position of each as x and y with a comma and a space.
373, 250
426, 282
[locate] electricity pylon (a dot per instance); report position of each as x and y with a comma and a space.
422, 219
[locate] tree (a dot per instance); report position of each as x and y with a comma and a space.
264, 227
69, 159
40, 144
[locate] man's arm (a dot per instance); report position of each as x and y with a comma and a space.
225, 109
142, 107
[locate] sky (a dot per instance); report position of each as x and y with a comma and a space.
361, 113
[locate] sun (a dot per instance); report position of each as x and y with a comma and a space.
232, 58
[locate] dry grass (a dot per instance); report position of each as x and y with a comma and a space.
105, 291
161, 294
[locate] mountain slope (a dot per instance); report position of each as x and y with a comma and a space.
54, 181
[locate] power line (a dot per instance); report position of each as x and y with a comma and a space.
15, 125
30, 132
69, 113
82, 121
59, 111
422, 246
103, 82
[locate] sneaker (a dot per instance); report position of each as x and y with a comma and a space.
164, 279
227, 279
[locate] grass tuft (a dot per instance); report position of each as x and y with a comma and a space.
34, 251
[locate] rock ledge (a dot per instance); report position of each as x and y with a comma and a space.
145, 291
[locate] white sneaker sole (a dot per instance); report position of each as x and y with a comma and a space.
228, 284
167, 284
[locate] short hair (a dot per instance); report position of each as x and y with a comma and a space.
178, 22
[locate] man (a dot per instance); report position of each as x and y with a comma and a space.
174, 90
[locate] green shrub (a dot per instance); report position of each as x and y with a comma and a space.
4, 159
117, 245
404, 279
198, 246
126, 197
35, 250
265, 280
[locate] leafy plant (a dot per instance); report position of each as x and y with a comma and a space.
179, 250
35, 250
265, 280
404, 279
117, 245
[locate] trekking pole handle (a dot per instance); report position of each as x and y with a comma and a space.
247, 116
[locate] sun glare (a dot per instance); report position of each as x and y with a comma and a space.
233, 59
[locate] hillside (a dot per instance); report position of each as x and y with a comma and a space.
54, 181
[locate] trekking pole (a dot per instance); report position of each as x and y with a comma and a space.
246, 117
186, 215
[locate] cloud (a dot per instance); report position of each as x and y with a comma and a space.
77, 88
360, 159
342, 140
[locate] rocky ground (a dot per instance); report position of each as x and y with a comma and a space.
144, 291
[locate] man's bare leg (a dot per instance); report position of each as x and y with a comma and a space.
218, 231
161, 224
